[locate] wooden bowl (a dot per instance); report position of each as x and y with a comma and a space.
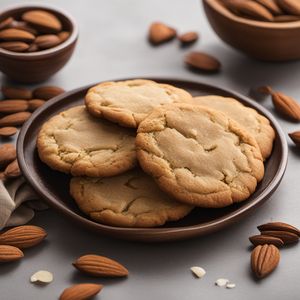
53, 186
262, 40
38, 66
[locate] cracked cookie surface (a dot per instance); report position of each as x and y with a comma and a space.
77, 143
250, 119
199, 155
131, 199
129, 102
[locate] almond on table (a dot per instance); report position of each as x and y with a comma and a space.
13, 106
160, 33
82, 291
8, 131
7, 154
16, 93
188, 38
295, 136
10, 253
15, 119
47, 92
202, 61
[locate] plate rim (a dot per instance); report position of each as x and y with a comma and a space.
206, 227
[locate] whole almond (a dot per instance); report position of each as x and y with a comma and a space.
82, 291
18, 35
265, 89
47, 41
10, 253
202, 61
33, 47
16, 93
35, 103
47, 92
286, 106
63, 36
44, 21
23, 26
24, 236
295, 136
285, 236
264, 259
290, 6
100, 266
271, 5
8, 131
12, 106
188, 38
6, 23
286, 18
7, 154
265, 239
160, 33
14, 46
279, 226
15, 119
249, 8
12, 170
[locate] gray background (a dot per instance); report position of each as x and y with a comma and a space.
113, 44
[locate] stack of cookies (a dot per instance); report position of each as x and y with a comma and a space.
143, 153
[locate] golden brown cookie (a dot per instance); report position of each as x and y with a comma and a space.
77, 143
199, 155
249, 118
131, 199
129, 102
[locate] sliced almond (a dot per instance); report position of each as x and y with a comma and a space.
16, 93
198, 271
47, 41
15, 119
47, 92
8, 131
221, 282
160, 33
42, 276
14, 46
18, 35
13, 106
10, 253
43, 20
202, 61
82, 291
12, 170
7, 154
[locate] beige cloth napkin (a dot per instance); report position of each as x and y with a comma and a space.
18, 202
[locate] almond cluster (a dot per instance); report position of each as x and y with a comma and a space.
265, 256
19, 103
265, 10
35, 30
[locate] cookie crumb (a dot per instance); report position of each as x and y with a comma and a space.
198, 271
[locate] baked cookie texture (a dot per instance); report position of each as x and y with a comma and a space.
249, 118
129, 102
131, 199
199, 155
77, 143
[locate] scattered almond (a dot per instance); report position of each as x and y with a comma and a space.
279, 226
42, 20
264, 259
230, 285
12, 34
13, 106
290, 6
15, 119
285, 236
81, 291
12, 170
198, 271
160, 33
16, 93
286, 105
202, 61
295, 136
10, 253
24, 236
266, 239
41, 277
14, 46
47, 92
100, 266
47, 41
7, 154
221, 282
35, 103
188, 38
8, 131
266, 90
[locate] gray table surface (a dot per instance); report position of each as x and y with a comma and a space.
113, 44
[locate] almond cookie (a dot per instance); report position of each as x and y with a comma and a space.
249, 118
129, 102
77, 143
199, 155
131, 199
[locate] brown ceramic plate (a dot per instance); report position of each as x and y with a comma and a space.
54, 186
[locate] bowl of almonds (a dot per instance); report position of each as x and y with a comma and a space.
35, 42
264, 29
